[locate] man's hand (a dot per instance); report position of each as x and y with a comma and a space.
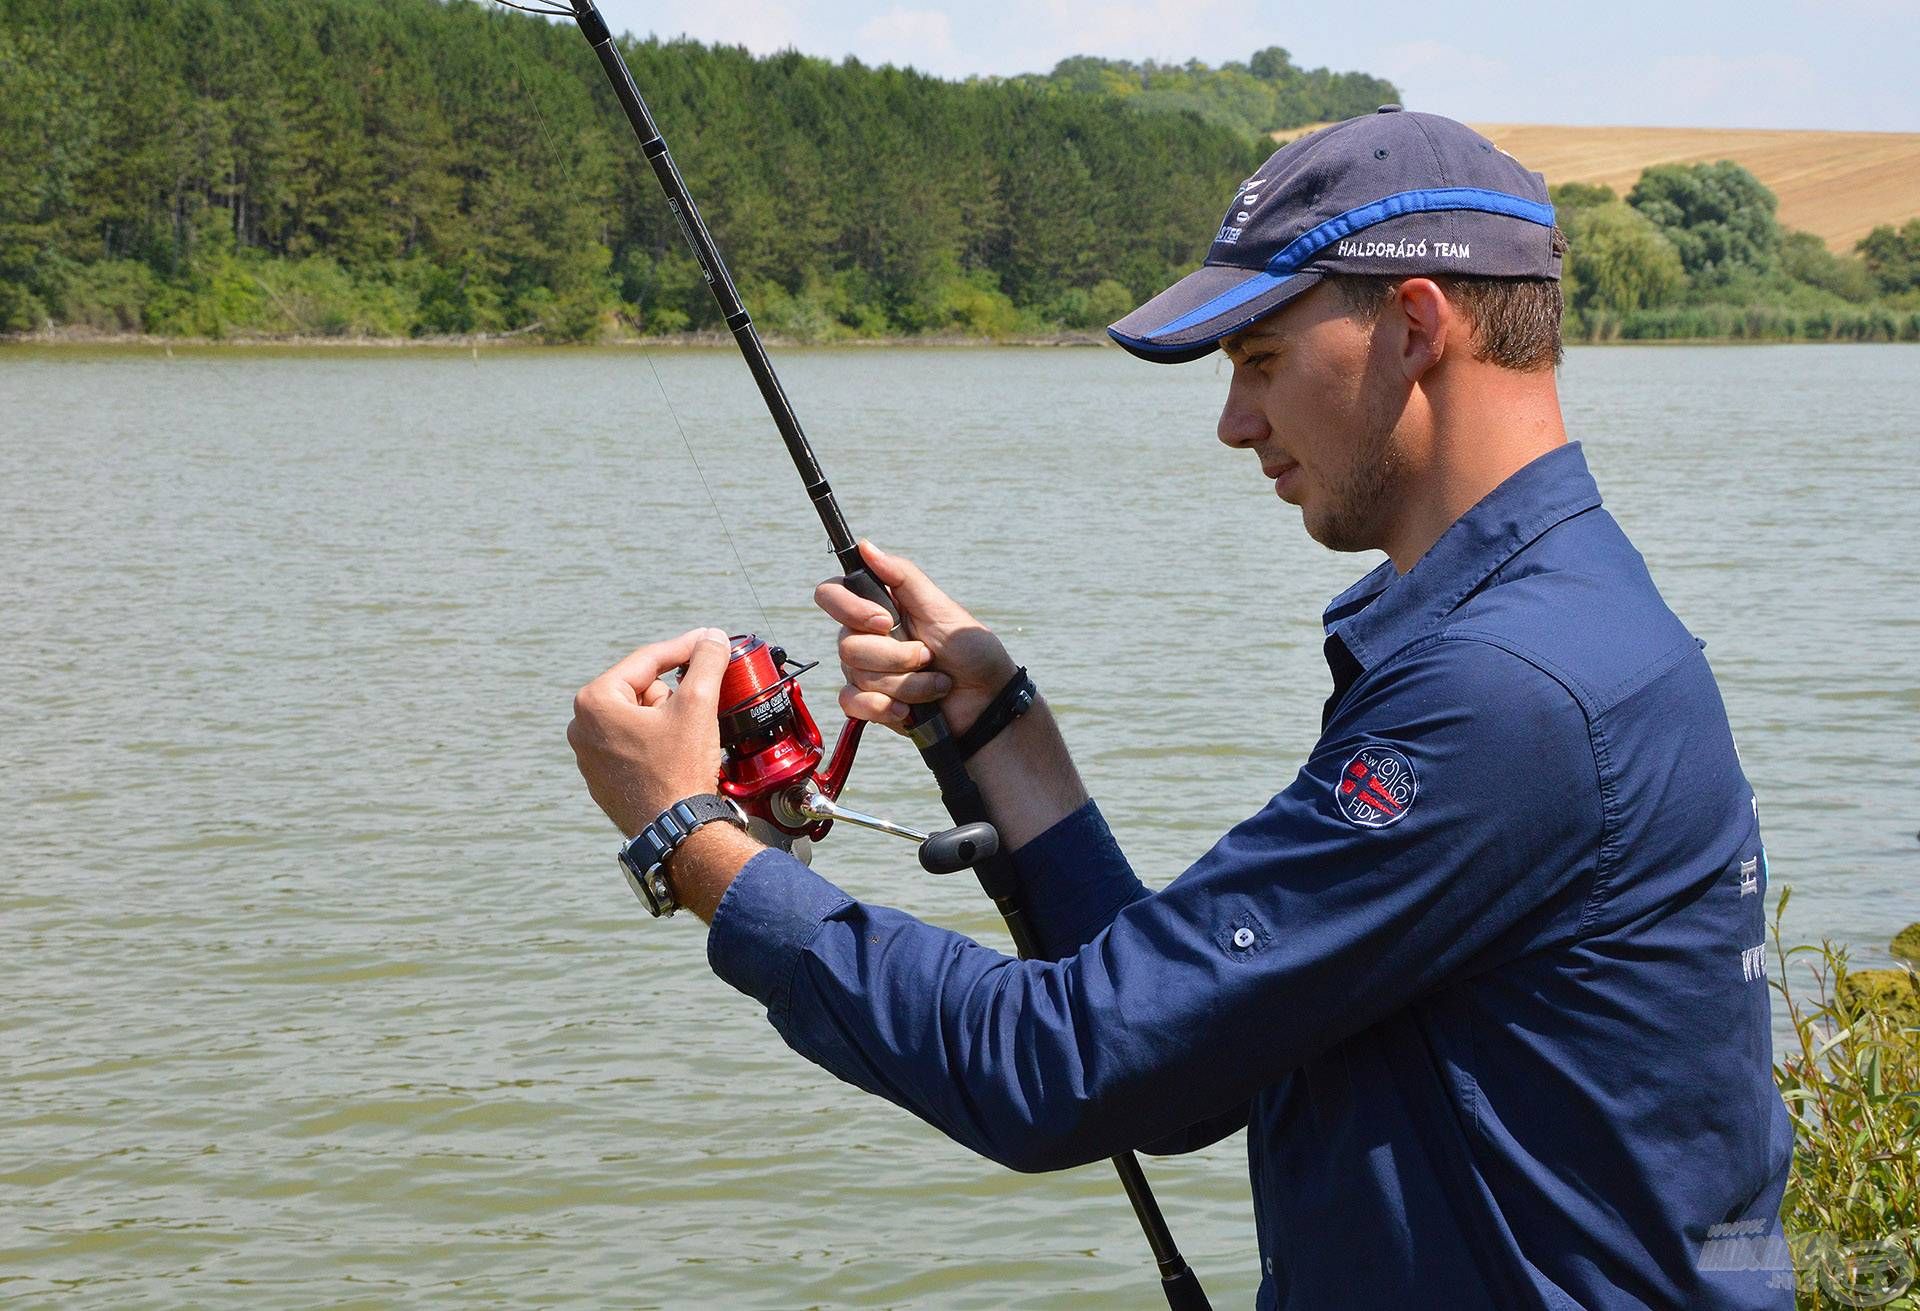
643, 746
953, 655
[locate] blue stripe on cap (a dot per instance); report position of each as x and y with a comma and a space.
1257, 284
1304, 247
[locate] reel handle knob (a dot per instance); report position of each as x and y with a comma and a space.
952, 850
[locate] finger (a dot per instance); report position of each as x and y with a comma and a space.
699, 690
882, 655
917, 689
854, 612
656, 692
639, 670
874, 707
912, 590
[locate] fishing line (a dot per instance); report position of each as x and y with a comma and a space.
566, 170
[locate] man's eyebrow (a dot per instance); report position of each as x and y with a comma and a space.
1241, 340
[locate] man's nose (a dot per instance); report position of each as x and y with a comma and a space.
1241, 422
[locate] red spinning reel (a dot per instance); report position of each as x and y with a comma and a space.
771, 741
771, 766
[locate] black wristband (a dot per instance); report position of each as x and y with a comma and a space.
1008, 704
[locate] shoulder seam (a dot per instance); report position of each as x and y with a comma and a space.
1605, 776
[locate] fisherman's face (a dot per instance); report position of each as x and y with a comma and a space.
1317, 401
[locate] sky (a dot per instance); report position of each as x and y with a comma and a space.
1835, 64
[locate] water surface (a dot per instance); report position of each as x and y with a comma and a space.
321, 987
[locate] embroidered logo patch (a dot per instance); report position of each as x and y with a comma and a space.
1376, 788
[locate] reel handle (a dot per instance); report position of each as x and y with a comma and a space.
952, 850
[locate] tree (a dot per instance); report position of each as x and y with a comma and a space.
1892, 256
1618, 261
46, 123
1570, 196
1805, 258
1718, 216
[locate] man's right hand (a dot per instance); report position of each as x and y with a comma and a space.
954, 658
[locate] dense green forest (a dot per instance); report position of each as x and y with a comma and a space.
399, 168
406, 167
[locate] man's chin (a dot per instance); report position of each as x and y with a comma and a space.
1333, 533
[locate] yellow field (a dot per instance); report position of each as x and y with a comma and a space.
1837, 185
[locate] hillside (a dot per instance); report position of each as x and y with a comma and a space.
1836, 185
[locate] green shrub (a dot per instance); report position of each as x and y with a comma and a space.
1805, 258
1851, 1082
110, 296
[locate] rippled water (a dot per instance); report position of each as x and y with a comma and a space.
320, 985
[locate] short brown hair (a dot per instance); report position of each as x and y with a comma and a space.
1516, 321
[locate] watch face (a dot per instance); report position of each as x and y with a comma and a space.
649, 886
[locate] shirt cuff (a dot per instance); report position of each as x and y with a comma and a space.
1074, 879
764, 921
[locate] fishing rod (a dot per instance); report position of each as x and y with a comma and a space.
773, 747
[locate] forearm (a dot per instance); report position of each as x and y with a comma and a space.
1027, 777
706, 864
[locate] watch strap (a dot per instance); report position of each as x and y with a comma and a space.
643, 858
1008, 704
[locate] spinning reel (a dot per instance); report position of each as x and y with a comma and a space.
771, 766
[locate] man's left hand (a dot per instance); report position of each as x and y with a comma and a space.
642, 745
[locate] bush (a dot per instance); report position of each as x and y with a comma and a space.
1852, 1086
1892, 256
1090, 307
969, 304
1805, 258
110, 296
1906, 942
1618, 261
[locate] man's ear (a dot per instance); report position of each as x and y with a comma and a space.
1429, 325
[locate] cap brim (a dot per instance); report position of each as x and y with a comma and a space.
1188, 319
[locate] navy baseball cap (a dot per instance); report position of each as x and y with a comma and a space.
1389, 193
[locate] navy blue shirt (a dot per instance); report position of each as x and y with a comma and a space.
1485, 983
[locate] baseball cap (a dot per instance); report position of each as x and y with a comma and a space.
1389, 193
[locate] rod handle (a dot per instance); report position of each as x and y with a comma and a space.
1183, 1290
864, 585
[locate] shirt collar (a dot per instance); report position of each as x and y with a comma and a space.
1385, 611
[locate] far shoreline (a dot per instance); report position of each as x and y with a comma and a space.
77, 339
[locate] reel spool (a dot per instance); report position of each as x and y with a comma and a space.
771, 741
772, 750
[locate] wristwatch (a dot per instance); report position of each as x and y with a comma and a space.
643, 858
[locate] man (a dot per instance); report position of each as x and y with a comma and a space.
1484, 984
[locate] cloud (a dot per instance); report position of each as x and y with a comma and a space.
922, 38
1444, 79
1757, 90
762, 26
1034, 37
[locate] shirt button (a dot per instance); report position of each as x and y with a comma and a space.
1243, 938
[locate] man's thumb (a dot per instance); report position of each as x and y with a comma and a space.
700, 686
912, 590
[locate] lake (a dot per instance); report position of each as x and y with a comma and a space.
321, 985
